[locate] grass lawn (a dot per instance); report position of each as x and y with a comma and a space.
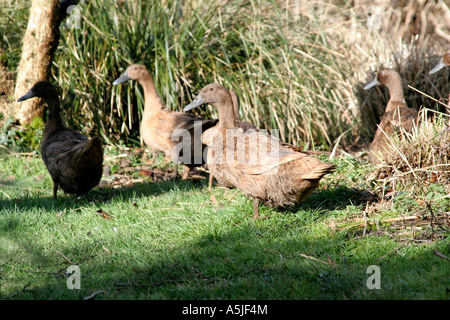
141, 236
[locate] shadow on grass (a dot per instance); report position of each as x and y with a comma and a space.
244, 261
232, 258
98, 194
337, 198
322, 199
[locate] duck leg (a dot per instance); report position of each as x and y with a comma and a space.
211, 177
55, 189
255, 209
175, 173
186, 173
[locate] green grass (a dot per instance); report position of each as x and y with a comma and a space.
170, 240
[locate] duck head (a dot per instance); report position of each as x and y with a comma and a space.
41, 89
445, 61
213, 94
133, 72
384, 76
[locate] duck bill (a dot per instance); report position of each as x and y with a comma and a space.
372, 84
28, 95
194, 104
123, 78
438, 67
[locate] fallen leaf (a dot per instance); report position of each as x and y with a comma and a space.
104, 214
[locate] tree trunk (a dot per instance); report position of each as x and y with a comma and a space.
39, 44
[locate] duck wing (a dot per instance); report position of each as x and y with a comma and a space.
257, 153
191, 123
91, 154
73, 160
61, 145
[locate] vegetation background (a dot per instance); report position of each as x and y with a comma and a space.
298, 66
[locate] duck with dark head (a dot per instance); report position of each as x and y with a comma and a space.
261, 166
74, 162
396, 115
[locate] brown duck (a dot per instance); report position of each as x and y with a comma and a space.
162, 129
396, 115
73, 161
254, 162
208, 135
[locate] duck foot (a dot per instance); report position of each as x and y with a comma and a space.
256, 215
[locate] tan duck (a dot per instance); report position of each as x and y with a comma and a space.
209, 134
396, 115
73, 161
254, 162
162, 129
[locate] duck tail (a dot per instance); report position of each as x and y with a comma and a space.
319, 171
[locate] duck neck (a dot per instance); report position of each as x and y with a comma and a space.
227, 119
395, 93
236, 105
153, 102
54, 122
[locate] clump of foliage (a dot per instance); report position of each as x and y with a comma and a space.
25, 138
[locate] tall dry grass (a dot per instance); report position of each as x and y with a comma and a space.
420, 157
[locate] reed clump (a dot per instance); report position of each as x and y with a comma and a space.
419, 157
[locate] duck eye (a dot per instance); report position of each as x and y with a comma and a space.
211, 89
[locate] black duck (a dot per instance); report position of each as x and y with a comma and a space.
73, 161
